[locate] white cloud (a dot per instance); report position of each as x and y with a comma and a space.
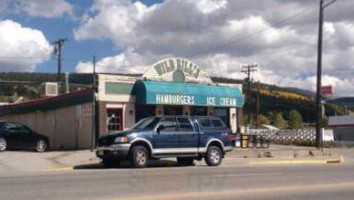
22, 48
43, 8
286, 53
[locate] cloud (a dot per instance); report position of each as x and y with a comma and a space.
22, 48
41, 8
243, 30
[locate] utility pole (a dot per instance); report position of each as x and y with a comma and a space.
93, 144
248, 69
58, 46
319, 74
258, 103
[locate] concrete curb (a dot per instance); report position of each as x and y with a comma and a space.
313, 161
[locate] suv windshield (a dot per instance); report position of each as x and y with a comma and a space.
147, 124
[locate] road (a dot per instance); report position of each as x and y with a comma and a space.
335, 181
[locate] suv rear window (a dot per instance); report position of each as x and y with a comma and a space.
210, 122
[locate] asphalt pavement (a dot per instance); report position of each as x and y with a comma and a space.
79, 175
309, 182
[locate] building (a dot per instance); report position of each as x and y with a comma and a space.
343, 127
172, 86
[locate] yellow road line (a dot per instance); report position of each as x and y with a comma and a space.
297, 162
59, 169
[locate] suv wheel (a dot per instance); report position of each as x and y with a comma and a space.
185, 161
139, 156
110, 163
41, 146
213, 156
3, 144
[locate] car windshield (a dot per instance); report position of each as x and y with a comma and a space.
146, 124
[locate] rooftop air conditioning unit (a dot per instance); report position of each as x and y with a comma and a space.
49, 89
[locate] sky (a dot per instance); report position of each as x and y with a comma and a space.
128, 36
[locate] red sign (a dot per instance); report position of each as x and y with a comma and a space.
326, 90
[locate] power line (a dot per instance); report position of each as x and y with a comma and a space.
22, 57
254, 33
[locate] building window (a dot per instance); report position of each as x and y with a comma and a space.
199, 110
114, 119
143, 111
223, 113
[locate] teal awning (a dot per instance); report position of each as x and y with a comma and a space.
172, 93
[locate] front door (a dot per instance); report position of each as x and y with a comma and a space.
114, 119
166, 138
26, 137
188, 137
19, 136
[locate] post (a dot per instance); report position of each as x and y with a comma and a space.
67, 89
93, 144
319, 74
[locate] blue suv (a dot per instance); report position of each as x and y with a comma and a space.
185, 137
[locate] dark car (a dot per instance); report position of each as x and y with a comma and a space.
186, 138
18, 136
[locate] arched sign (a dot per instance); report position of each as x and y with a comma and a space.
177, 70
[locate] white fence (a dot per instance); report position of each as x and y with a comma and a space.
285, 135
291, 135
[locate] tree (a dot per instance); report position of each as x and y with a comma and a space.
295, 120
263, 119
245, 120
279, 121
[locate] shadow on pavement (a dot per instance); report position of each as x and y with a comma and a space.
126, 165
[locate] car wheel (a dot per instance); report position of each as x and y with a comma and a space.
139, 156
185, 161
41, 146
110, 163
3, 144
213, 156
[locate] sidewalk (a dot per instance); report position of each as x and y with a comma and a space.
238, 157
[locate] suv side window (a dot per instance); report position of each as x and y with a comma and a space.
184, 124
169, 124
204, 122
217, 123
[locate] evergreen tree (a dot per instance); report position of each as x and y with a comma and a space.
295, 120
279, 121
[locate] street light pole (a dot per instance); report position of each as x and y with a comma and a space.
319, 140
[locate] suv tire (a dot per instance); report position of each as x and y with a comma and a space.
185, 161
213, 156
139, 156
3, 144
110, 163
